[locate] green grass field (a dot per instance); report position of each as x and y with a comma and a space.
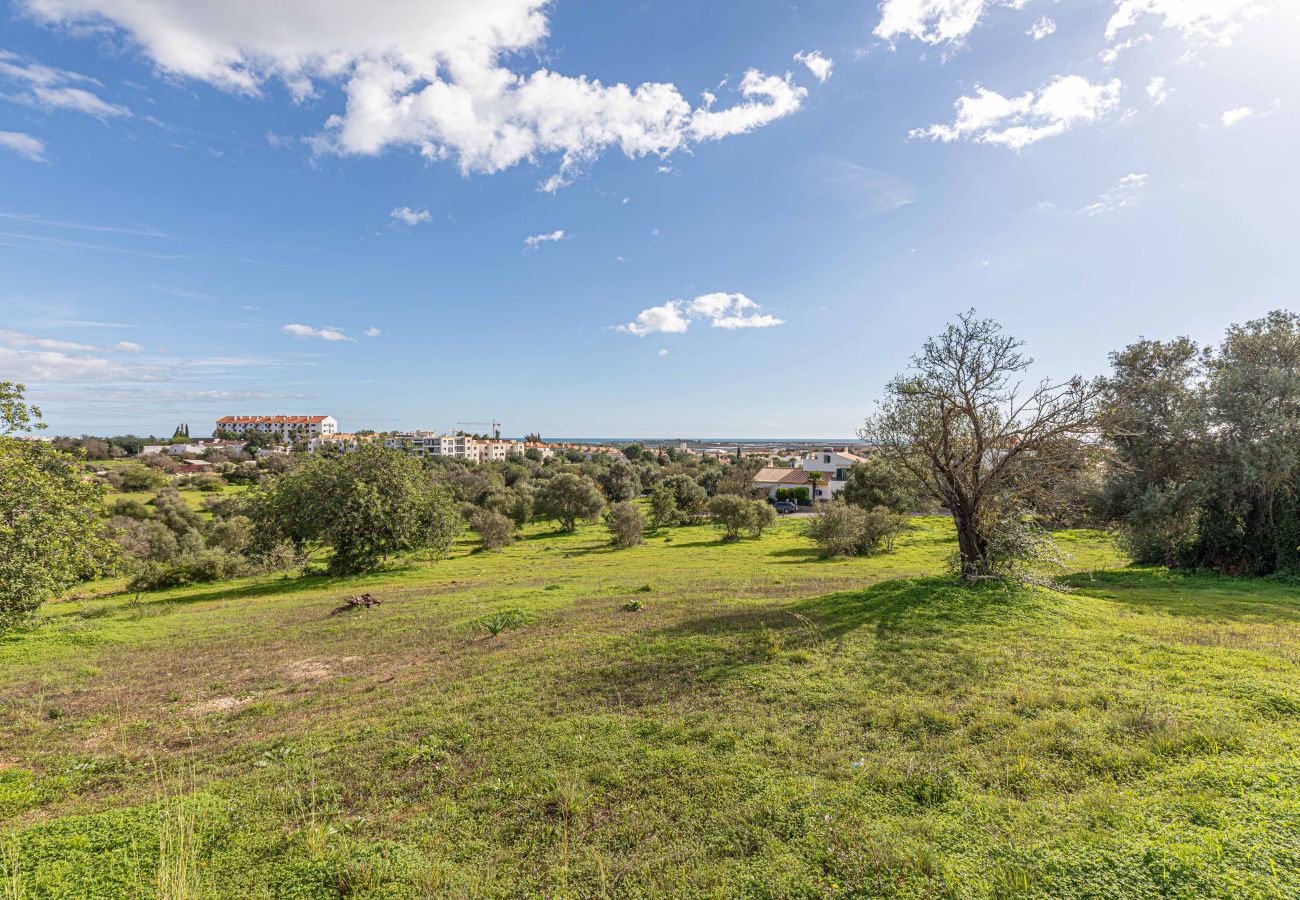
766, 724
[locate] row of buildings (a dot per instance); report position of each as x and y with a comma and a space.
823, 473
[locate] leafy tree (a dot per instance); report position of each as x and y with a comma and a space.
365, 505
732, 514
141, 478
626, 524
634, 452
879, 482
52, 532
764, 516
961, 425
619, 481
493, 529
231, 533
566, 498
171, 510
675, 499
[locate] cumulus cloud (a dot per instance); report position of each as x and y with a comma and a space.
23, 144
934, 21
372, 331
533, 241
1126, 193
987, 117
663, 351
1205, 22
1233, 116
720, 310
819, 65
1042, 28
408, 216
325, 333
49, 88
438, 76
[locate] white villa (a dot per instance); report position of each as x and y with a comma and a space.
831, 465
287, 428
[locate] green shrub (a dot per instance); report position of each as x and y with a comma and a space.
626, 525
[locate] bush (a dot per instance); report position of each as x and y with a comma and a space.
732, 514
140, 478
626, 524
172, 510
764, 516
130, 508
840, 529
189, 568
233, 533
493, 529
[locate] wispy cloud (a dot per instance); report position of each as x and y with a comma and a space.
1042, 28
32, 219
1233, 116
46, 87
372, 331
1126, 193
325, 333
987, 117
408, 216
532, 242
25, 145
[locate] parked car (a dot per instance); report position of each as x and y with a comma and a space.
785, 506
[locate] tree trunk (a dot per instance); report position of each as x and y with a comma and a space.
972, 545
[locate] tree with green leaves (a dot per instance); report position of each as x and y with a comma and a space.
568, 498
619, 481
365, 506
52, 530
626, 524
732, 514
876, 481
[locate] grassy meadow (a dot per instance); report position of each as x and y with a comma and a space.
686, 718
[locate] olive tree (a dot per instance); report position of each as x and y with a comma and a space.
567, 498
364, 505
979, 441
52, 530
626, 524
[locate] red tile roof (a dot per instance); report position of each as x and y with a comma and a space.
271, 420
778, 475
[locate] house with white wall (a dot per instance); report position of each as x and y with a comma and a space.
832, 468
285, 428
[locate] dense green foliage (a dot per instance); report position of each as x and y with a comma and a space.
569, 498
1207, 447
364, 506
626, 524
52, 533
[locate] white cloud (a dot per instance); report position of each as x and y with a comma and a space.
1233, 116
934, 21
128, 346
372, 331
1126, 193
1111, 54
1157, 90
439, 76
49, 88
1016, 122
1042, 28
24, 145
663, 351
22, 339
534, 241
325, 333
819, 65
720, 310
53, 365
408, 216
666, 319
1206, 22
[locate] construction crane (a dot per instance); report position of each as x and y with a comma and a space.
496, 428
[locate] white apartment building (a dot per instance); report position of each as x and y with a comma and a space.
287, 428
456, 446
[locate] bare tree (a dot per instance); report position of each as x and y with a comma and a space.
979, 441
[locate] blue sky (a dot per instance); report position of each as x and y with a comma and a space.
744, 217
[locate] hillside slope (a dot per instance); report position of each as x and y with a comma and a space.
766, 724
